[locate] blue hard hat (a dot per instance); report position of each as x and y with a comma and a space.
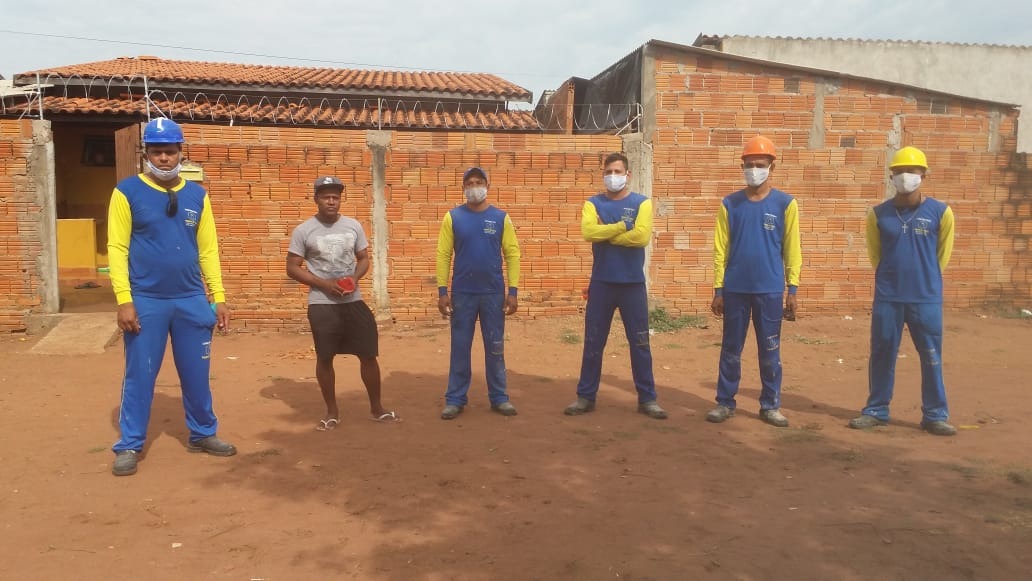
162, 130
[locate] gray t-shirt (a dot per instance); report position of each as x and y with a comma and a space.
329, 250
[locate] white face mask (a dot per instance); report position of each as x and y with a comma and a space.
755, 176
906, 183
475, 195
615, 182
164, 175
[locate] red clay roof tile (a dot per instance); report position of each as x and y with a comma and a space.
173, 73
298, 113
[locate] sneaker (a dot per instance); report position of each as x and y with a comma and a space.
719, 414
450, 412
125, 463
505, 408
865, 421
212, 445
774, 417
938, 428
581, 406
652, 409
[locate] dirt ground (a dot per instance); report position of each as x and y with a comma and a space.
610, 495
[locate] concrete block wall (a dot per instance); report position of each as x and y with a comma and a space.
21, 282
835, 138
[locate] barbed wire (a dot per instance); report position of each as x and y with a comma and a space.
131, 96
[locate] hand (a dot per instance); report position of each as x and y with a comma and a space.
790, 308
444, 305
329, 287
127, 319
511, 304
718, 305
222, 317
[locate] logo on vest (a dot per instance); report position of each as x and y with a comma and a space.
490, 227
191, 218
770, 221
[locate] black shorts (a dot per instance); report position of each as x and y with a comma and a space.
344, 328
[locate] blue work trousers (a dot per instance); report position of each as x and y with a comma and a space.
603, 300
466, 309
925, 323
765, 312
190, 322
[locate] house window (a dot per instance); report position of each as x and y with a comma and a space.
98, 151
938, 106
792, 85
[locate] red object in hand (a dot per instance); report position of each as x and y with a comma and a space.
346, 284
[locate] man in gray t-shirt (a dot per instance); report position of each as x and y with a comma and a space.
337, 255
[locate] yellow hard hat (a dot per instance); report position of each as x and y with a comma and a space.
909, 156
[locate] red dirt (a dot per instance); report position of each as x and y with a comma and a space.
539, 496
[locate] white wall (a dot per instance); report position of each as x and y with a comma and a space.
993, 73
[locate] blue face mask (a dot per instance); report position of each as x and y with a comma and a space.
164, 175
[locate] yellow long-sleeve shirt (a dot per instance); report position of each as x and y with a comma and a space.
152, 254
478, 249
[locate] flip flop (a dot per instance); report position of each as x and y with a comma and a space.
387, 418
327, 425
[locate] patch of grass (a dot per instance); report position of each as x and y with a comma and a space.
967, 471
851, 456
1019, 476
673, 346
96, 449
662, 322
799, 436
569, 337
812, 340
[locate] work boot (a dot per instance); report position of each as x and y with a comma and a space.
450, 412
212, 445
125, 463
719, 414
865, 421
581, 406
505, 408
652, 409
938, 428
774, 417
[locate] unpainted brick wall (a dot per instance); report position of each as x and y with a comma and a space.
836, 167
20, 242
260, 181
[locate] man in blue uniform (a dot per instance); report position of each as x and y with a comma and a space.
909, 242
163, 252
756, 250
618, 223
479, 235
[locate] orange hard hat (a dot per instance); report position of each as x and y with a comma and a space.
759, 145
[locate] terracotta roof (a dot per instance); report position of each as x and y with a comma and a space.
294, 112
172, 73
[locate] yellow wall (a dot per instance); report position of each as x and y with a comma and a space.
76, 243
83, 191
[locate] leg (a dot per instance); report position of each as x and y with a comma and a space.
925, 324
634, 311
886, 332
736, 326
370, 371
766, 314
191, 329
598, 319
463, 325
492, 331
143, 354
325, 324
